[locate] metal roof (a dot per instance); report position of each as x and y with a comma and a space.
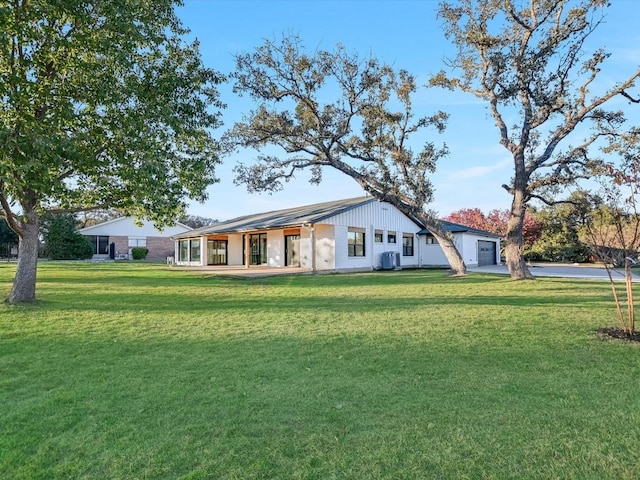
289, 217
306, 214
458, 228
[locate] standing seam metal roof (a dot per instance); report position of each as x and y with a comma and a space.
296, 216
281, 218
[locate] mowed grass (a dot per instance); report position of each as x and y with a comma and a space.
139, 371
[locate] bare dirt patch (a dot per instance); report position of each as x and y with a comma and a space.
611, 333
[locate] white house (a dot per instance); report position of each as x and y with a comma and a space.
345, 235
115, 238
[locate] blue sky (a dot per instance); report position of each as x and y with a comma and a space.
405, 34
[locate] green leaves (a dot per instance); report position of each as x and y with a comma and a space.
104, 104
332, 109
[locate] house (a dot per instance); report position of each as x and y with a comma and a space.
115, 238
345, 235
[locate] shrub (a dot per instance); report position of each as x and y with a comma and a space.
139, 253
62, 241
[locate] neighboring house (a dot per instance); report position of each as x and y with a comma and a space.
115, 238
344, 235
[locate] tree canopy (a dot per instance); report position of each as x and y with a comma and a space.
103, 105
334, 109
531, 62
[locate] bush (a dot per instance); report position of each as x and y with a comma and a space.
62, 241
139, 253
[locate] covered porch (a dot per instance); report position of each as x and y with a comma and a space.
288, 248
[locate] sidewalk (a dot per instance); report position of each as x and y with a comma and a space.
592, 272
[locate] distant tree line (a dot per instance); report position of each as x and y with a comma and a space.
584, 228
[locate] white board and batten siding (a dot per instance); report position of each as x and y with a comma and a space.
332, 236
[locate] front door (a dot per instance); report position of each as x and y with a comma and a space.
216, 252
292, 251
258, 246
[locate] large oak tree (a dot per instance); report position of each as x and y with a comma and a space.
102, 105
334, 109
531, 62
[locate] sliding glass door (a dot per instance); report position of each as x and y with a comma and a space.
216, 252
292, 250
258, 246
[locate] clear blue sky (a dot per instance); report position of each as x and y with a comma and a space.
405, 34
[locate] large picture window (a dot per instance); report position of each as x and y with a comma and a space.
356, 243
407, 245
189, 250
183, 251
195, 250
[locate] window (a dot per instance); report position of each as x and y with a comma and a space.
183, 251
407, 245
431, 240
377, 236
391, 237
100, 244
137, 241
189, 250
356, 243
195, 249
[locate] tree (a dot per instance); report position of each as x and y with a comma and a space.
102, 106
529, 62
613, 233
195, 221
94, 217
613, 228
61, 239
364, 133
6, 234
470, 217
562, 224
496, 221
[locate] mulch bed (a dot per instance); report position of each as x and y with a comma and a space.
610, 333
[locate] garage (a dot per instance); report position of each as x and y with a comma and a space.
486, 253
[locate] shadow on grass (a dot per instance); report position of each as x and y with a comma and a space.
111, 288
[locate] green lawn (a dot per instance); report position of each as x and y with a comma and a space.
138, 371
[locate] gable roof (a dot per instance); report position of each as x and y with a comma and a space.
126, 225
458, 228
281, 218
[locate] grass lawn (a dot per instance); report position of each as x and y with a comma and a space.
138, 371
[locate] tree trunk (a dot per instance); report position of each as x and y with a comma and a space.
24, 283
449, 248
515, 261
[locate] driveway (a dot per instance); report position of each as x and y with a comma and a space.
592, 272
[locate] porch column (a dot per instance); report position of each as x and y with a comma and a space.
312, 235
204, 254
247, 250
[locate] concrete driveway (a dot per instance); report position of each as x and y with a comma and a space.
592, 272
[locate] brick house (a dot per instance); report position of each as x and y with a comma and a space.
115, 238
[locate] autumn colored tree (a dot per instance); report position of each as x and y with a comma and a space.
496, 221
102, 105
470, 217
530, 62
